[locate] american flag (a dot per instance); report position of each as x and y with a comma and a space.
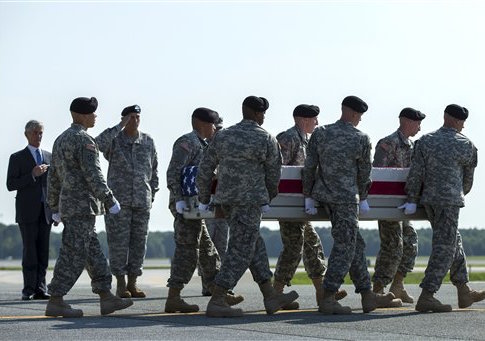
188, 181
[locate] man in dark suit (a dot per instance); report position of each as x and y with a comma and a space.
27, 174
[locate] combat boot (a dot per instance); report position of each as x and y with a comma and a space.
110, 303
230, 296
175, 304
426, 302
279, 286
328, 304
121, 290
133, 289
371, 301
397, 288
467, 296
57, 307
218, 306
318, 284
378, 288
274, 301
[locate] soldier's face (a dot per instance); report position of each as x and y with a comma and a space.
415, 127
357, 117
134, 122
34, 136
259, 117
90, 120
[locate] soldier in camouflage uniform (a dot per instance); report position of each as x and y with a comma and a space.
337, 174
76, 193
133, 178
399, 240
189, 235
248, 163
299, 237
443, 165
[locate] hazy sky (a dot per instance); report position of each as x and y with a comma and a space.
171, 57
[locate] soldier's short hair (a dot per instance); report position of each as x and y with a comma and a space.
33, 124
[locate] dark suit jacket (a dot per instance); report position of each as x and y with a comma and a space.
19, 178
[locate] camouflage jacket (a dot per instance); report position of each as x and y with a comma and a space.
293, 145
443, 165
187, 151
393, 151
337, 168
132, 172
249, 161
76, 185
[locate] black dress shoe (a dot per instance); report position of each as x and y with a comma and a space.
27, 297
41, 296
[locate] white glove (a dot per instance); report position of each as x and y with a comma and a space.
409, 208
204, 207
310, 206
265, 208
364, 206
180, 206
116, 208
56, 217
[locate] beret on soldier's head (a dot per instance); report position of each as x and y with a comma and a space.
258, 104
306, 110
412, 114
457, 111
84, 105
206, 115
355, 103
133, 108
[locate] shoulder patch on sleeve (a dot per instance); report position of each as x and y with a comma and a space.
185, 146
91, 146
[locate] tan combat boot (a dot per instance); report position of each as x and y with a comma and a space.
328, 305
176, 304
279, 286
121, 290
109, 303
274, 301
233, 298
318, 284
371, 301
57, 307
397, 288
426, 302
378, 288
133, 289
218, 306
467, 296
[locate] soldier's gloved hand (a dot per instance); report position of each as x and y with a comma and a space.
265, 208
310, 206
204, 207
409, 208
116, 208
56, 217
180, 206
364, 206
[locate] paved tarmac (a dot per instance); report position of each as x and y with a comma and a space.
145, 320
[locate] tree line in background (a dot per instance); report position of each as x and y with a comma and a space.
161, 244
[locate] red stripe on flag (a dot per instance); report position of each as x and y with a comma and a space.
290, 186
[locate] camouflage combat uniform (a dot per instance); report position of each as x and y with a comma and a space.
337, 174
300, 236
249, 162
189, 235
78, 191
399, 240
443, 165
133, 178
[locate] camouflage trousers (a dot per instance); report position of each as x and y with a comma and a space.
192, 245
245, 249
218, 232
347, 255
80, 249
398, 251
299, 239
447, 249
127, 234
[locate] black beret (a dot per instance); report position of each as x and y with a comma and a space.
84, 105
412, 114
306, 110
457, 111
206, 115
219, 123
355, 103
258, 104
128, 110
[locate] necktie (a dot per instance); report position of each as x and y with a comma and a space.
38, 157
